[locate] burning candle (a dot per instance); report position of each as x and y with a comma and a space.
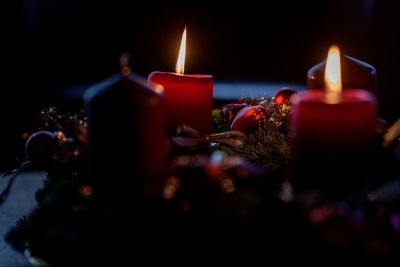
188, 98
355, 74
332, 131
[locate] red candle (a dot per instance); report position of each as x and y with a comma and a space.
126, 133
355, 74
332, 131
188, 98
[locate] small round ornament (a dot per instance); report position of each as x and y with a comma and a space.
229, 111
249, 118
282, 96
42, 146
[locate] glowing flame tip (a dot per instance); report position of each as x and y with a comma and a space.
180, 64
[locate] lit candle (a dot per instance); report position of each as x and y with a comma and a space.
188, 98
332, 131
355, 74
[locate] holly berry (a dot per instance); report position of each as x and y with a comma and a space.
282, 96
249, 118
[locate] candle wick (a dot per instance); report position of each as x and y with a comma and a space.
332, 97
124, 63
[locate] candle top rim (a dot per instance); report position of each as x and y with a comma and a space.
347, 96
347, 62
155, 73
136, 80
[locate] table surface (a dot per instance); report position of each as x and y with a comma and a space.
20, 202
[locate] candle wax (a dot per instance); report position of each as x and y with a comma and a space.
355, 74
188, 99
126, 132
332, 141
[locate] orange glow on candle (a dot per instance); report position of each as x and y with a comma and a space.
180, 64
333, 79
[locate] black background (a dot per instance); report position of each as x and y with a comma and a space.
50, 45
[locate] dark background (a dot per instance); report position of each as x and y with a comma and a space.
50, 46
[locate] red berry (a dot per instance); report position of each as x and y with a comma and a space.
249, 118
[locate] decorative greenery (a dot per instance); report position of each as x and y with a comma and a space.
72, 123
65, 195
269, 147
203, 197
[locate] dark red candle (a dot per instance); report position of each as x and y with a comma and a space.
355, 74
340, 130
188, 98
332, 131
127, 133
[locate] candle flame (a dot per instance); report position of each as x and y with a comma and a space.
180, 64
333, 80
